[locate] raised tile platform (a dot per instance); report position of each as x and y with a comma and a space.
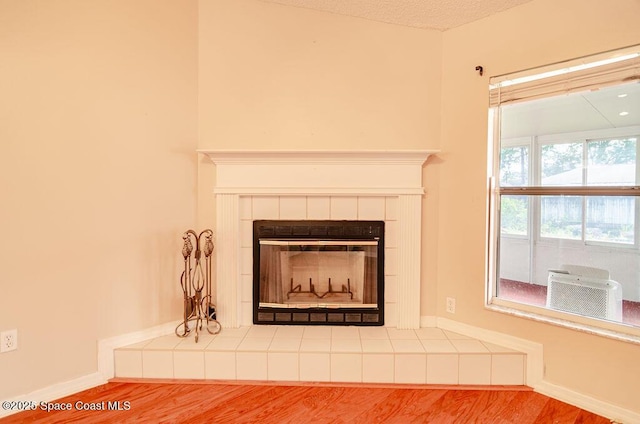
325, 354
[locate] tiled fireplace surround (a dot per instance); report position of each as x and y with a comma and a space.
322, 185
319, 185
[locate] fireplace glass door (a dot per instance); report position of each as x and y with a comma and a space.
317, 273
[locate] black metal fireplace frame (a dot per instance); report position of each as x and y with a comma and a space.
319, 230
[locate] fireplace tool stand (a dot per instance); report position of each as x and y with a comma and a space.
199, 310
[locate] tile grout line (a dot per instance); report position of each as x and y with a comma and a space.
361, 357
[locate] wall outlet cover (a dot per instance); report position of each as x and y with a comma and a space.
8, 340
451, 305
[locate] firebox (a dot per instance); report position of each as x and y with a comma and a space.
318, 272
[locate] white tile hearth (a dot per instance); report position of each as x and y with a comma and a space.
325, 354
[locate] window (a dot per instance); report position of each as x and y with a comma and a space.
565, 229
514, 171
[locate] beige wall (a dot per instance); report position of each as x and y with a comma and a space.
280, 77
540, 32
98, 128
275, 77
99, 118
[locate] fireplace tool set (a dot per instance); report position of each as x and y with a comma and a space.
199, 310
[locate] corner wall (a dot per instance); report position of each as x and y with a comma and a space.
537, 33
98, 116
280, 77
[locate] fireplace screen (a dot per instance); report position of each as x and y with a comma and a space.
318, 272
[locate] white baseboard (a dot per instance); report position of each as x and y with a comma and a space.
57, 391
535, 372
105, 367
613, 412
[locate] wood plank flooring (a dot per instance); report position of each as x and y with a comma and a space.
266, 403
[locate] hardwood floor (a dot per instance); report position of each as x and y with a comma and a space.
232, 402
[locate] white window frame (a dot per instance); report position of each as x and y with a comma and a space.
531, 87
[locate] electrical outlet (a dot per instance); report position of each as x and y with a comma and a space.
451, 305
8, 340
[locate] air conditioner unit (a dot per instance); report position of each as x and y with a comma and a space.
584, 291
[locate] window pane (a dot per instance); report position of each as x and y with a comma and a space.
561, 217
561, 164
514, 211
610, 219
514, 166
574, 277
611, 162
564, 250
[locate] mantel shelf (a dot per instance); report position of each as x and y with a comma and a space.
321, 156
319, 172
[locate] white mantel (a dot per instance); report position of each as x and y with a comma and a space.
252, 174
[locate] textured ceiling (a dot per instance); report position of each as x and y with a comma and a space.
434, 14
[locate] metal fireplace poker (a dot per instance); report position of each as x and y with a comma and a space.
199, 309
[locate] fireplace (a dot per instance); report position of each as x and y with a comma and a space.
318, 272
252, 185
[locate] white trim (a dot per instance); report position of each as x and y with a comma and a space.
615, 413
228, 261
319, 191
408, 262
318, 156
608, 329
535, 364
535, 371
317, 172
56, 391
105, 371
428, 321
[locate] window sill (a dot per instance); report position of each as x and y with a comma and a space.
611, 330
